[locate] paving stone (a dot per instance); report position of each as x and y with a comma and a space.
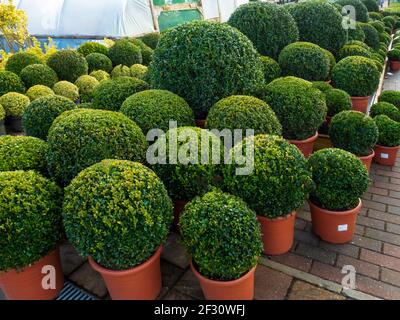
170, 275
393, 228
383, 236
390, 276
176, 295
300, 224
327, 272
70, 259
369, 222
391, 250
271, 284
377, 288
360, 230
379, 178
174, 252
362, 267
293, 260
380, 259
386, 200
189, 285
90, 280
384, 216
306, 237
388, 186
394, 210
305, 291
305, 215
2, 296
380, 191
346, 249
374, 205
394, 194
394, 180
387, 173
316, 253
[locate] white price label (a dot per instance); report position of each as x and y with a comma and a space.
384, 156
342, 227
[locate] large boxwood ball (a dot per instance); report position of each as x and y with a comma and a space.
14, 103
337, 101
30, 218
340, 179
99, 61
389, 131
385, 108
304, 60
22, 153
111, 94
353, 131
204, 62
391, 96
243, 112
10, 82
300, 108
371, 36
358, 76
66, 89
360, 9
117, 212
125, 53
378, 25
20, 60
92, 47
68, 64
39, 74
269, 26
154, 109
38, 91
280, 181
371, 5
40, 114
204, 225
87, 136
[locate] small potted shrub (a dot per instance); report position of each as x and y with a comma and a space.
99, 61
391, 96
353, 50
371, 36
272, 70
336, 101
394, 58
30, 220
100, 75
14, 104
39, 74
385, 108
38, 91
322, 86
151, 39
20, 60
146, 51
90, 47
86, 85
359, 77
68, 64
276, 187
121, 71
10, 82
124, 52
111, 217
139, 71
225, 266
355, 132
2, 118
388, 141
67, 89
340, 181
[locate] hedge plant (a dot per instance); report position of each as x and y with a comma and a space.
371, 5
14, 103
389, 131
18, 61
85, 136
322, 86
125, 53
90, 47
10, 82
139, 71
110, 215
100, 75
30, 218
391, 96
378, 25
204, 225
66, 89
357, 33
121, 71
146, 51
68, 64
151, 39
39, 74
99, 61
375, 16
337, 101
361, 10
38, 91
385, 108
340, 179
389, 21
371, 36
353, 131
353, 50
86, 85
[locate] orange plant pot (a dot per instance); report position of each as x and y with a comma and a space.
140, 283
239, 289
360, 104
278, 234
334, 226
395, 65
27, 284
179, 206
200, 123
305, 146
367, 160
385, 155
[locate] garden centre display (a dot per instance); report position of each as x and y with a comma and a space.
388, 142
394, 58
14, 105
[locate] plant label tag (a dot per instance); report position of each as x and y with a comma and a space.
342, 227
384, 156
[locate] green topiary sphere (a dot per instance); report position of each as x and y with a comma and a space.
360, 9
371, 36
18, 61
121, 71
375, 16
39, 74
390, 96
385, 108
337, 101
86, 86
14, 104
389, 21
378, 25
151, 39
139, 71
99, 61
147, 52
68, 64
394, 55
100, 75
272, 70
356, 34
353, 50
38, 91
322, 86
10, 82
371, 5
92, 47
125, 53
389, 131
66, 89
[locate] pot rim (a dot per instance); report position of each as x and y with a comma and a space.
350, 211
360, 98
285, 217
136, 269
384, 147
371, 155
311, 139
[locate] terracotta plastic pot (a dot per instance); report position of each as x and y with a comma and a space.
306, 146
27, 284
360, 104
278, 233
395, 65
200, 123
239, 289
385, 155
334, 226
179, 206
367, 160
140, 283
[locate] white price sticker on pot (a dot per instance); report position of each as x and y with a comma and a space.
342, 227
384, 156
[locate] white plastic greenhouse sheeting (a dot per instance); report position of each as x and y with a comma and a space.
212, 9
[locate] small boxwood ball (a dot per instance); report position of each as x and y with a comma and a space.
22, 153
68, 64
371, 36
125, 53
30, 218
394, 55
139, 71
389, 131
84, 137
375, 16
86, 85
371, 5
378, 25
322, 86
154, 109
66, 89
20, 60
340, 179
99, 61
243, 112
121, 71
353, 50
357, 33
38, 91
389, 21
39, 74
360, 9
40, 114
14, 103
271, 68
337, 101
147, 52
92, 47
10, 82
353, 131
391, 96
385, 108
151, 39
358, 43
100, 75
111, 94
204, 225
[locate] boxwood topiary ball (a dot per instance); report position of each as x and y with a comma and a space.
353, 50
361, 10
371, 5
340, 179
356, 34
272, 70
147, 52
14, 103
151, 39
385, 108
20, 60
154, 109
67, 90
10, 82
125, 53
86, 85
337, 101
243, 112
353, 131
280, 181
389, 131
322, 86
90, 47
68, 64
204, 225
84, 137
375, 16
30, 218
40, 114
389, 21
39, 74
100, 75
99, 61
204, 62
38, 91
391, 96
371, 36
121, 71
110, 215
139, 71
378, 25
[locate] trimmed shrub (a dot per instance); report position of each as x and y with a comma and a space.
147, 52
387, 109
110, 215
39, 74
375, 16
389, 22
22, 153
99, 61
125, 53
226, 64
85, 137
269, 26
340, 179
154, 109
322, 86
2, 113
151, 39
358, 76
353, 131
389, 131
378, 25
358, 43
66, 89
332, 62
14, 103
86, 105
243, 112
356, 34
385, 38
379, 65
394, 55
361, 10
280, 181
305, 60
38, 91
121, 71
100, 75
20, 60
40, 114
90, 47
371, 36
337, 101
378, 57
111, 94
86, 86
10, 82
30, 217
353, 50
371, 5
388, 30
68, 64
204, 225
272, 70
139, 71
390, 96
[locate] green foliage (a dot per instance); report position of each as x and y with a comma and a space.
10, 82
68, 64
2, 113
66, 89
20, 60
394, 55
14, 103
389, 21
322, 86
139, 71
147, 52
125, 53
121, 71
86, 85
38, 91
357, 33
387, 109
378, 25
151, 39
361, 10
353, 50
39, 74
88, 48
371, 36
340, 179
389, 131
337, 101
100, 75
390, 96
375, 16
99, 61
272, 70
371, 5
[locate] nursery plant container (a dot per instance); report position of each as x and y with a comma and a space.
306, 146
2, 128
26, 284
360, 104
367, 160
278, 233
395, 65
239, 289
334, 226
385, 155
14, 124
201, 123
139, 283
179, 206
